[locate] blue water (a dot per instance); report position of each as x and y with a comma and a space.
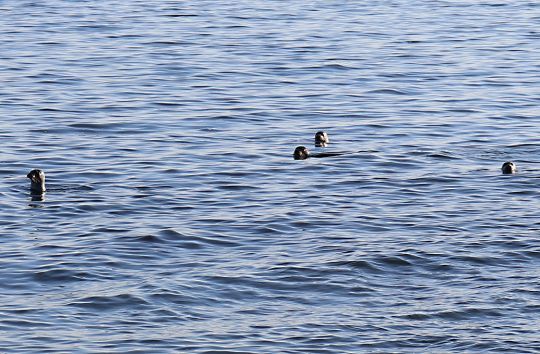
176, 219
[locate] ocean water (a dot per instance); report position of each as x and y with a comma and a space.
176, 219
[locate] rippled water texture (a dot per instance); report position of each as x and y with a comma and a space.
176, 219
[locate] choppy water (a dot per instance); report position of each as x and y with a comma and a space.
177, 221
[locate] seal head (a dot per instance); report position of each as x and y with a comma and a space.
37, 181
321, 139
301, 153
508, 168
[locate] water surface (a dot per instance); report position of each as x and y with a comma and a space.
176, 219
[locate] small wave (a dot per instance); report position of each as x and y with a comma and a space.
236, 187
467, 314
181, 15
484, 260
393, 261
60, 275
149, 238
172, 235
24, 323
104, 303
387, 92
96, 126
443, 155
336, 67
358, 264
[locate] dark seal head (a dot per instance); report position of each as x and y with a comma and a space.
321, 139
508, 168
37, 181
301, 153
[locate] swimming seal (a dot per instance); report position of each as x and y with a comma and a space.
37, 181
302, 153
508, 168
321, 139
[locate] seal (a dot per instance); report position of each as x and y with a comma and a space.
321, 139
508, 168
302, 153
37, 181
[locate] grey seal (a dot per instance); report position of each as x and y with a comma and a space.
37, 181
321, 139
508, 168
302, 153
